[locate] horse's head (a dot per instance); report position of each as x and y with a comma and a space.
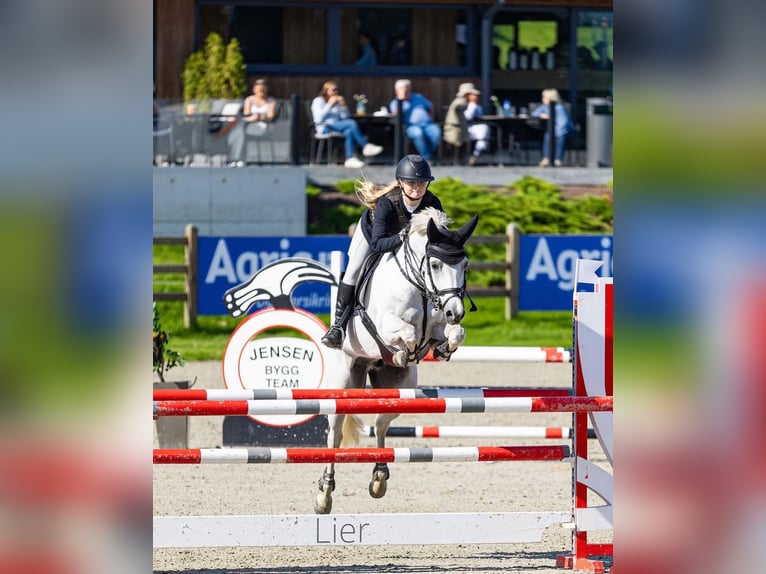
443, 260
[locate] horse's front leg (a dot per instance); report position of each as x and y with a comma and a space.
380, 473
452, 337
323, 503
401, 335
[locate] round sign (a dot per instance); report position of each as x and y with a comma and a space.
276, 362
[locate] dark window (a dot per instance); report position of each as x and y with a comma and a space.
309, 38
259, 31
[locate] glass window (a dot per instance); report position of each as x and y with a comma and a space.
595, 40
404, 36
259, 31
385, 33
524, 40
364, 35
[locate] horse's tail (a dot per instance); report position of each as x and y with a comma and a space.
352, 430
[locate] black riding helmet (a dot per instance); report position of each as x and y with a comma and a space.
414, 167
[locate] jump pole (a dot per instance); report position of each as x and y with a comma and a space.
477, 432
510, 354
263, 455
376, 406
298, 394
592, 377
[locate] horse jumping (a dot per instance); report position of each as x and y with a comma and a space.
411, 304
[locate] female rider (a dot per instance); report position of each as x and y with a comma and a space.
388, 213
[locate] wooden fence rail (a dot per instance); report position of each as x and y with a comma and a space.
510, 291
188, 269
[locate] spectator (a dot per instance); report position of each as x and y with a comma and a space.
260, 106
259, 109
466, 102
330, 114
367, 54
418, 119
561, 129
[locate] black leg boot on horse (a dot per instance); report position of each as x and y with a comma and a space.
343, 308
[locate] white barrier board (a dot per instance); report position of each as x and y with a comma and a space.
353, 529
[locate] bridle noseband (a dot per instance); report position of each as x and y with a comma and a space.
413, 271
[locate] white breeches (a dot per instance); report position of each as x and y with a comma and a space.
357, 253
479, 133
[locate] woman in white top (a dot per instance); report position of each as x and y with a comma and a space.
330, 114
260, 106
259, 109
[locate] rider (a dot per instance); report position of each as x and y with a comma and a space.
380, 229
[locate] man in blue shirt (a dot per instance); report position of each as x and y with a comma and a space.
418, 119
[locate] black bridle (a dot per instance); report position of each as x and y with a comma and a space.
413, 271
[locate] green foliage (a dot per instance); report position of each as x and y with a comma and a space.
346, 187
163, 357
313, 191
216, 71
336, 220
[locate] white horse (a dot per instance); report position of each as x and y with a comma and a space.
411, 304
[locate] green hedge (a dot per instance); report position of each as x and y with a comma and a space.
535, 205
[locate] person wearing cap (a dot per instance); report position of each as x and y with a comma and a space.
380, 229
456, 132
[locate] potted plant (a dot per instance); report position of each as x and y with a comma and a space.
172, 432
216, 71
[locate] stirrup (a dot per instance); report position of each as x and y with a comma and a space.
333, 338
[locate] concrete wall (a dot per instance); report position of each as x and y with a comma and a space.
250, 202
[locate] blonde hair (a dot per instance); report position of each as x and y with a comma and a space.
368, 193
552, 94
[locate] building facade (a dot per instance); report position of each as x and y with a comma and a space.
509, 49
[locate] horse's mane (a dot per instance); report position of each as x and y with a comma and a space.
419, 221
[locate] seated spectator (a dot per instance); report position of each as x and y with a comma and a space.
259, 109
561, 129
330, 114
466, 102
418, 119
260, 106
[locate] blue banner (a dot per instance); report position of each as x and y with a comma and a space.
225, 262
546, 272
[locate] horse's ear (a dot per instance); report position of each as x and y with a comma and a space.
432, 232
465, 232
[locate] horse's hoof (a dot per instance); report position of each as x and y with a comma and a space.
378, 485
400, 359
322, 505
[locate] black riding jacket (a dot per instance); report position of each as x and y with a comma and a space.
390, 217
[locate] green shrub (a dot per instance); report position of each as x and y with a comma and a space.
534, 204
216, 71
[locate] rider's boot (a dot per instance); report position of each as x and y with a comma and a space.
343, 307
